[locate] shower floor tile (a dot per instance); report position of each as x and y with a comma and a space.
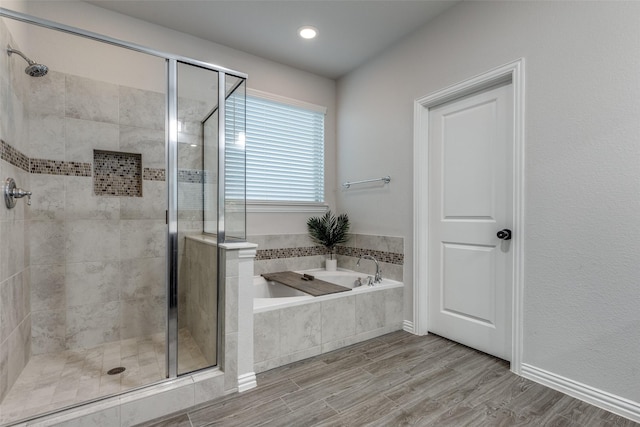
53, 381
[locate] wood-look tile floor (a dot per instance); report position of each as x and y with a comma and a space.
396, 380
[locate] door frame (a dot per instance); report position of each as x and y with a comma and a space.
512, 73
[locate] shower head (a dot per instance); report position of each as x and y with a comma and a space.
33, 69
36, 70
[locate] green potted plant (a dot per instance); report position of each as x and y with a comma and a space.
329, 231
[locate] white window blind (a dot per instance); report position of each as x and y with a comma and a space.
284, 152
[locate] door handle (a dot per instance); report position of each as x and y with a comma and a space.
504, 234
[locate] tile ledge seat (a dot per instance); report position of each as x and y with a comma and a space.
211, 240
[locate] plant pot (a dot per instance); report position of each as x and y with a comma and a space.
331, 265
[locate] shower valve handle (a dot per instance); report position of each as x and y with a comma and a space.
19, 193
12, 192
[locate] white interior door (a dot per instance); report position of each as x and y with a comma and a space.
470, 201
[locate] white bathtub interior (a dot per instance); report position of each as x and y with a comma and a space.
269, 295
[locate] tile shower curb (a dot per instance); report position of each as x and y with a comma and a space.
142, 405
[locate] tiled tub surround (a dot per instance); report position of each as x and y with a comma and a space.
288, 334
295, 252
290, 329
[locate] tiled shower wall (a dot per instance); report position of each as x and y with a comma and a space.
97, 262
283, 252
15, 306
200, 314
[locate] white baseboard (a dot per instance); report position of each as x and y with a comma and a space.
610, 402
407, 325
247, 382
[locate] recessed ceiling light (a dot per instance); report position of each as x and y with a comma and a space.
308, 32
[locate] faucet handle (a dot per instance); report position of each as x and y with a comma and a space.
19, 193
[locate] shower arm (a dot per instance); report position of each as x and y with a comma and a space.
33, 69
11, 50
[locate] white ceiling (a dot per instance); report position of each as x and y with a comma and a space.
350, 31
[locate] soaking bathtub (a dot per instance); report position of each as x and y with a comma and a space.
271, 295
290, 325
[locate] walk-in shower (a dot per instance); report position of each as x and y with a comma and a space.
103, 289
33, 69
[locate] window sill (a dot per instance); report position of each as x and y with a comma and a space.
284, 207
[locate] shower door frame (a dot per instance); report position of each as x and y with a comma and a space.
171, 153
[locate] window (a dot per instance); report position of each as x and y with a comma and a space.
284, 144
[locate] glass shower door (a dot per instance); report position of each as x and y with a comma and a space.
211, 157
198, 266
234, 168
84, 301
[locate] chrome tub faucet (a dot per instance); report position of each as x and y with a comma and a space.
378, 276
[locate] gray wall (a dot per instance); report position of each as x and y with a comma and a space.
581, 317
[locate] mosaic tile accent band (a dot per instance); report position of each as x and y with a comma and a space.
13, 156
263, 254
117, 174
388, 257
191, 176
153, 174
59, 167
